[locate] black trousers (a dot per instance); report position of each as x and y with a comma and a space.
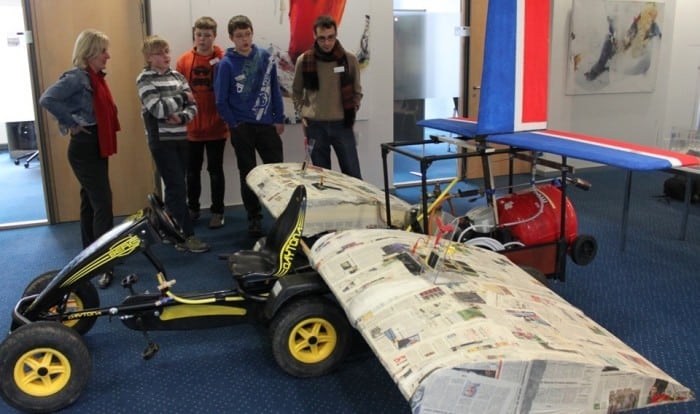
246, 140
171, 158
92, 172
215, 167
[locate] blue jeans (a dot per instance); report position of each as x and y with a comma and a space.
171, 161
327, 134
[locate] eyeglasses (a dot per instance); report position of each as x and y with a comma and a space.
323, 39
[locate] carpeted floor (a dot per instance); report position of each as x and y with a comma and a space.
22, 195
647, 295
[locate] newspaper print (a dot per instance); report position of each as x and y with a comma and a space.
335, 201
477, 334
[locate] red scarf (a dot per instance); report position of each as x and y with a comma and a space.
105, 113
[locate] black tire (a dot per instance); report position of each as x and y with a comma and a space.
84, 296
310, 337
584, 249
44, 367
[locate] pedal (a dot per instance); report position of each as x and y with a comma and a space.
129, 281
150, 351
151, 347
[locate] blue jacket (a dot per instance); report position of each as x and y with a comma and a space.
70, 100
247, 89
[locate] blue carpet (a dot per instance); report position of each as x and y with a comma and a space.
22, 196
214, 371
647, 295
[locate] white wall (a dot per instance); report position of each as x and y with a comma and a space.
173, 20
631, 117
14, 80
684, 63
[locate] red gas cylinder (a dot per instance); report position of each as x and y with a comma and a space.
520, 213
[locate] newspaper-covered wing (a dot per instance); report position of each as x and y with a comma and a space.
476, 334
335, 201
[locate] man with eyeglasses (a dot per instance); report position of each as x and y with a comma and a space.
249, 99
327, 94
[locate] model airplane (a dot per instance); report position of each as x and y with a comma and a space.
513, 104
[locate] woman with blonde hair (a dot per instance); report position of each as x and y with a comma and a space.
83, 105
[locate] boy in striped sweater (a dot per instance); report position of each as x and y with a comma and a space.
167, 105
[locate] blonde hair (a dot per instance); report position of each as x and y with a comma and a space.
90, 43
152, 45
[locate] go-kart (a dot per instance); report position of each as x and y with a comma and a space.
46, 364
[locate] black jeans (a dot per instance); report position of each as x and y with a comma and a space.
171, 160
246, 140
215, 167
92, 172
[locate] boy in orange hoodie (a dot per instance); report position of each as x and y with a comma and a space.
207, 132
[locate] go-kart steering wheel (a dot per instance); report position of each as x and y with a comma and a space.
166, 223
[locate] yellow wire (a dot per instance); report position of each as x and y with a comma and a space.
179, 299
442, 195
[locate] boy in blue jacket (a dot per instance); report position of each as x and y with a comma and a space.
249, 99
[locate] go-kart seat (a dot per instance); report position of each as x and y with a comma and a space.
256, 270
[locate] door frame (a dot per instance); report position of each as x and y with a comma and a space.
50, 50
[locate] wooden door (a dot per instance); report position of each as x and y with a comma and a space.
477, 35
55, 24
477, 32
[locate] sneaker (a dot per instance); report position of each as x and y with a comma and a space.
105, 280
194, 214
193, 245
216, 221
255, 228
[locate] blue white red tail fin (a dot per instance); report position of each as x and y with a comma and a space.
515, 73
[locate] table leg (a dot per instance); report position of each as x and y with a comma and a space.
686, 206
625, 210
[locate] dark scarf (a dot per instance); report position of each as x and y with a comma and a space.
105, 113
310, 76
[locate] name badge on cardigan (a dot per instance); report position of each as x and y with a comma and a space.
339, 69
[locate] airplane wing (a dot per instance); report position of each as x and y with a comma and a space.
584, 147
476, 333
335, 201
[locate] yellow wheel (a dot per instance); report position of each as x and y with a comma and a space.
83, 296
44, 368
310, 337
312, 340
42, 372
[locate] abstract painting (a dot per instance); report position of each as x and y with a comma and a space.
614, 46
